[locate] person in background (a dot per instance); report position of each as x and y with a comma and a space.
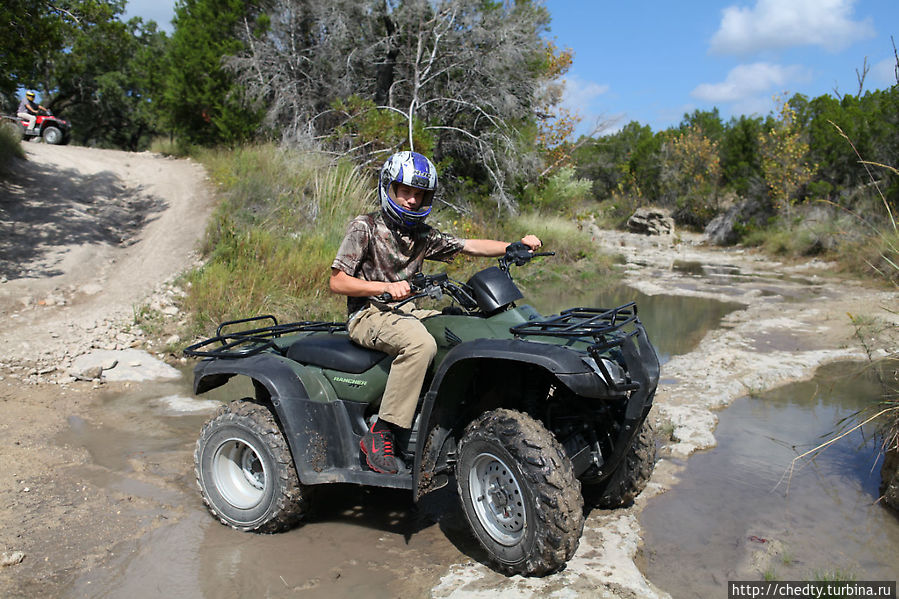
29, 109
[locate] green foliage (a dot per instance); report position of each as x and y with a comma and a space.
10, 147
562, 192
707, 121
30, 32
105, 84
691, 173
200, 100
371, 130
784, 159
617, 162
739, 153
87, 65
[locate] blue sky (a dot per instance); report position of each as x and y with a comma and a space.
654, 61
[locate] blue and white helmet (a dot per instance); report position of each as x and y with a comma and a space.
414, 170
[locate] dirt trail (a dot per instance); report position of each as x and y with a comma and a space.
85, 236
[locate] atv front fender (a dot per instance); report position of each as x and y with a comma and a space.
566, 365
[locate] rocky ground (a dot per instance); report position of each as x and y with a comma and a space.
89, 238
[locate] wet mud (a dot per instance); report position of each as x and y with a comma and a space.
357, 541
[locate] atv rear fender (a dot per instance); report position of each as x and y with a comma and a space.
318, 427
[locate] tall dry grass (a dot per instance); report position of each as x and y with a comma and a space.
273, 236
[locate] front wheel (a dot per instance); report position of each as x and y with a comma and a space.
519, 493
52, 135
245, 471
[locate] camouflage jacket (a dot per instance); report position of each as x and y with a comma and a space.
374, 250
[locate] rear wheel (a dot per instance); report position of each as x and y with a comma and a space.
52, 135
245, 471
629, 480
519, 493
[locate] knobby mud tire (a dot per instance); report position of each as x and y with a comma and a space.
550, 504
244, 437
631, 477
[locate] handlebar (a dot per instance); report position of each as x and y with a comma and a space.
434, 286
519, 254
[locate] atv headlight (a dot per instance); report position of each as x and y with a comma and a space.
613, 369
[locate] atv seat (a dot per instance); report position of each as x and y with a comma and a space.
335, 352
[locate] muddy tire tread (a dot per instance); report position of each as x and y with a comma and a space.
291, 498
629, 480
549, 472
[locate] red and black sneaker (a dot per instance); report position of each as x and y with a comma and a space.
377, 445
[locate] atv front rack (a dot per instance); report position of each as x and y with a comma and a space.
248, 342
603, 328
576, 323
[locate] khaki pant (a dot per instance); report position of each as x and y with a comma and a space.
401, 334
28, 117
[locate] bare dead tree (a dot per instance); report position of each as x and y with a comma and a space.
860, 76
896, 56
462, 70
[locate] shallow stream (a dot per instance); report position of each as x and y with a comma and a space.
362, 542
740, 512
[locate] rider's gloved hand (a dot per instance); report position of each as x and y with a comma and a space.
518, 253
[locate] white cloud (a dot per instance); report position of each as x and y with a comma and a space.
748, 81
884, 72
578, 97
579, 94
774, 24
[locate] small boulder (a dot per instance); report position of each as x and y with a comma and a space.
651, 221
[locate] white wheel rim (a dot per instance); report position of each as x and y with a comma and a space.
497, 499
239, 474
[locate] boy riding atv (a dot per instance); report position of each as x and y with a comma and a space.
380, 252
531, 415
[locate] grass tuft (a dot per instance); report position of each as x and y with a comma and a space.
10, 147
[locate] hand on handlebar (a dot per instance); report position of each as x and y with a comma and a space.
519, 253
399, 290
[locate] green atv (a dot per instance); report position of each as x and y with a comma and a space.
529, 414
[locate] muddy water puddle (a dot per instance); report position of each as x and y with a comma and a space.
357, 541
738, 514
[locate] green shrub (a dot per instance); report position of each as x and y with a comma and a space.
10, 146
168, 146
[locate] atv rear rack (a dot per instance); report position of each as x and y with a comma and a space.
248, 342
